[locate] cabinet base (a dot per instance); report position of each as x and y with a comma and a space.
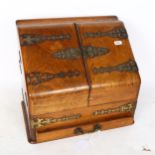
35, 136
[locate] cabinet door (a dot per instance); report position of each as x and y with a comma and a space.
110, 65
53, 68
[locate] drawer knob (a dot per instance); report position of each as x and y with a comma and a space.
97, 127
78, 131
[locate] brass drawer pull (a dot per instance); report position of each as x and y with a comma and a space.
78, 131
97, 127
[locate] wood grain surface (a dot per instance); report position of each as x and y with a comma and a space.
77, 73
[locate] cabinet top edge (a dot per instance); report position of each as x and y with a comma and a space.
29, 22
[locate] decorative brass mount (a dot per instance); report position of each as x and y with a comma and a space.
36, 78
129, 66
118, 32
31, 39
130, 107
75, 53
40, 122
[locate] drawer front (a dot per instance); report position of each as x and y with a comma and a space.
79, 116
82, 129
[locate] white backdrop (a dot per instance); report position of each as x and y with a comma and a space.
139, 18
